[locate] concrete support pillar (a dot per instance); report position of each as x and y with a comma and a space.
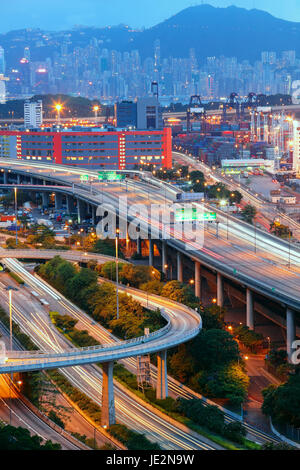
249, 310
198, 287
45, 199
290, 333
44, 182
139, 246
179, 267
5, 177
19, 179
93, 212
151, 252
108, 415
162, 375
220, 291
81, 210
58, 201
70, 204
164, 259
31, 180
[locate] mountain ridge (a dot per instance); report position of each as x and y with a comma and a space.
211, 31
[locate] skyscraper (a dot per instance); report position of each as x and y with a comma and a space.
33, 114
2, 61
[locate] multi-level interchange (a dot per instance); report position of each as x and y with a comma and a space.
261, 278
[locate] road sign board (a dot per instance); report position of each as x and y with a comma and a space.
192, 213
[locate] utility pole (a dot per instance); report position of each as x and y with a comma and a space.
16, 211
117, 270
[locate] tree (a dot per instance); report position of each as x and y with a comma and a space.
155, 287
213, 317
181, 293
235, 197
248, 213
282, 403
182, 364
137, 275
40, 234
235, 431
280, 230
56, 419
64, 322
108, 270
213, 347
106, 247
12, 438
196, 176
75, 286
277, 357
249, 338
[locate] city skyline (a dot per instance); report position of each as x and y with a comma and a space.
100, 14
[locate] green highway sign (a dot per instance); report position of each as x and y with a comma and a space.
84, 177
110, 176
190, 214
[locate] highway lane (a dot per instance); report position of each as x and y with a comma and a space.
89, 378
13, 408
268, 209
104, 337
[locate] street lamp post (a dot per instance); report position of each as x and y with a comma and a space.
289, 248
217, 228
16, 211
10, 289
227, 226
58, 109
96, 109
117, 270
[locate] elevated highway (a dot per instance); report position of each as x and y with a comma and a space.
258, 262
88, 378
47, 331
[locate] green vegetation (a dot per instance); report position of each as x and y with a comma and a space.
249, 338
280, 446
106, 247
173, 408
248, 213
221, 192
91, 409
12, 438
42, 236
66, 325
17, 333
81, 286
280, 230
212, 418
210, 364
276, 362
56, 419
132, 439
11, 243
17, 278
90, 442
282, 403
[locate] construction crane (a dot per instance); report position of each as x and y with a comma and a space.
195, 112
232, 103
249, 103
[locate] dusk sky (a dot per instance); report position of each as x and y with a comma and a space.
62, 14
